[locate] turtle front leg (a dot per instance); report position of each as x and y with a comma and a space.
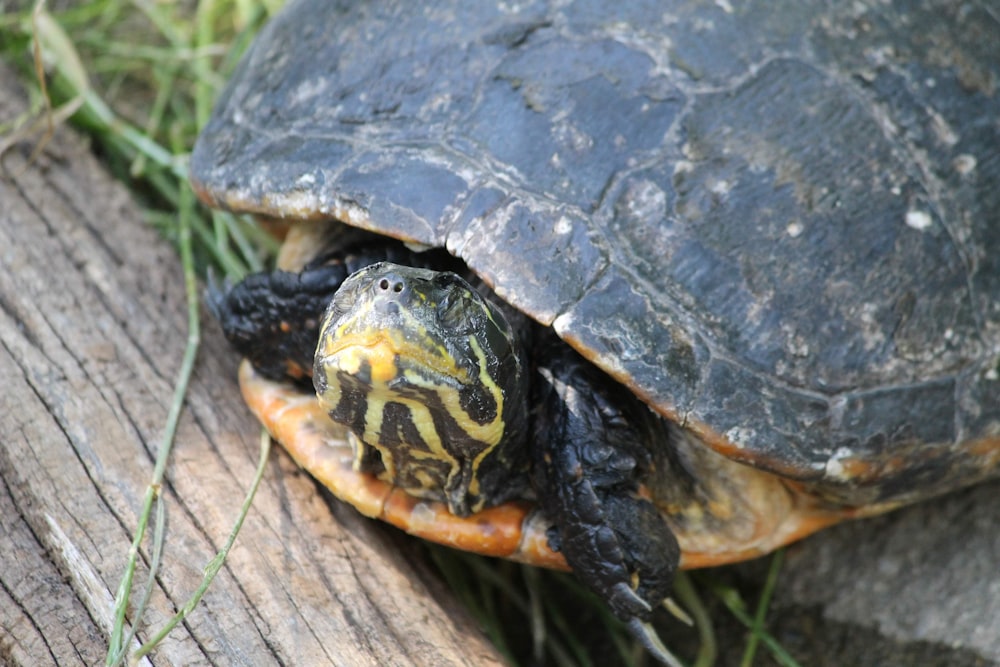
272, 318
594, 445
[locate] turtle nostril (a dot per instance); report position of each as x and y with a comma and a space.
391, 283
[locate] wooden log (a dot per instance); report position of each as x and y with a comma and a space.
92, 332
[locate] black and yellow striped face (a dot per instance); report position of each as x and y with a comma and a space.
427, 374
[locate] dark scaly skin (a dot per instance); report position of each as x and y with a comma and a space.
273, 318
591, 443
263, 321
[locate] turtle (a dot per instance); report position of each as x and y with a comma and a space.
620, 287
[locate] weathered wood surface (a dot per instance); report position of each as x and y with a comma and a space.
92, 330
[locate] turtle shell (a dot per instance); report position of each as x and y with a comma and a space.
778, 223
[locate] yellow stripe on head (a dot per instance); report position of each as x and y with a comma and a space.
418, 366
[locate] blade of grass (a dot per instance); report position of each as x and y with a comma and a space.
757, 631
217, 562
137, 146
166, 77
117, 648
166, 172
537, 616
627, 647
544, 641
49, 36
213, 567
204, 35
456, 575
734, 603
688, 596
159, 530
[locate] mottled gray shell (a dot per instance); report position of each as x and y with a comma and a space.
778, 222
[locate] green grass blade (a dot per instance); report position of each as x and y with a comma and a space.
757, 629
217, 562
687, 594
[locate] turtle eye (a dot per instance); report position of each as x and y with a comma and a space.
453, 311
344, 298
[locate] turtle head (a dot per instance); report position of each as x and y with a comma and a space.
429, 377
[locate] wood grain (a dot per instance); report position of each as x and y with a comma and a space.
92, 331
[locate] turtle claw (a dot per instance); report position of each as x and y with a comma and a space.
678, 612
651, 641
623, 593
